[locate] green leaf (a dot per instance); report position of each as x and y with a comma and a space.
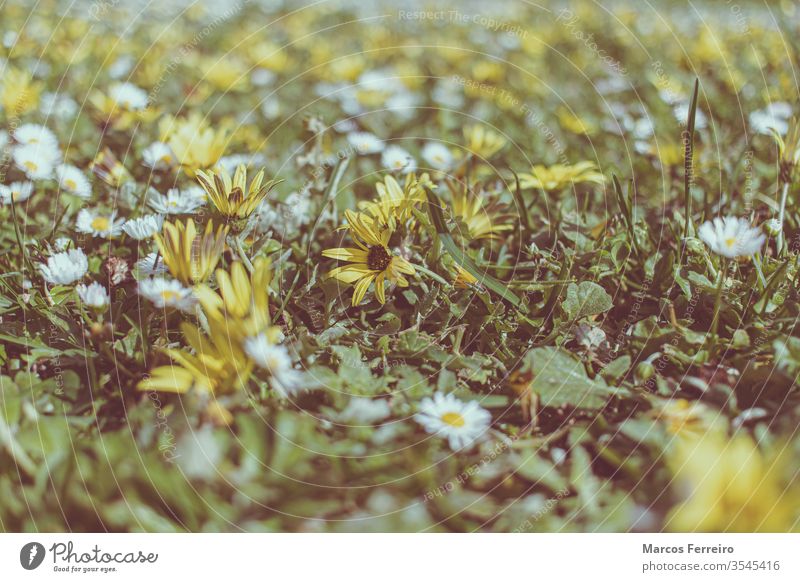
560, 380
585, 299
464, 260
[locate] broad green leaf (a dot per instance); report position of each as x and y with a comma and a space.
585, 299
560, 380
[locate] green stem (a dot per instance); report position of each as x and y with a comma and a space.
723, 275
781, 215
432, 275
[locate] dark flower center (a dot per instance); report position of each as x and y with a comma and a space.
378, 258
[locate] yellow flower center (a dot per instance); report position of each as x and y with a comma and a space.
32, 166
378, 258
453, 419
729, 242
100, 223
71, 185
168, 295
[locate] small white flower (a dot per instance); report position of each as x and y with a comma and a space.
461, 423
230, 163
167, 293
94, 295
261, 77
31, 133
271, 107
16, 191
99, 224
65, 268
144, 227
121, 67
62, 243
152, 264
185, 201
774, 117
59, 106
36, 160
437, 155
731, 237
773, 226
276, 359
397, 159
73, 181
158, 155
681, 112
365, 142
128, 96
365, 411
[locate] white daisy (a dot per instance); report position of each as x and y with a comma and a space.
185, 201
437, 155
681, 112
461, 423
731, 237
32, 133
144, 227
774, 117
262, 77
94, 295
274, 357
365, 411
397, 159
158, 155
36, 160
73, 181
62, 243
365, 142
167, 293
58, 106
271, 107
16, 191
121, 67
150, 265
65, 268
128, 96
99, 224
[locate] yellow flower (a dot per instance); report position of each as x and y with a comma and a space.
731, 486
687, 419
232, 198
571, 122
395, 203
218, 361
196, 145
20, 92
371, 261
241, 297
189, 257
109, 169
481, 218
560, 176
483, 142
464, 279
111, 113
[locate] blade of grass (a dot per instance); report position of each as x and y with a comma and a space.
466, 263
688, 162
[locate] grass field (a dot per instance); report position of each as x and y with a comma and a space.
399, 266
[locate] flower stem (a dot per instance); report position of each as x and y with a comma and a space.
781, 214
723, 275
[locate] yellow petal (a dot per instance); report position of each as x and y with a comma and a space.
361, 288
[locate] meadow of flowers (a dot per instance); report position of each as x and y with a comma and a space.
399, 266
